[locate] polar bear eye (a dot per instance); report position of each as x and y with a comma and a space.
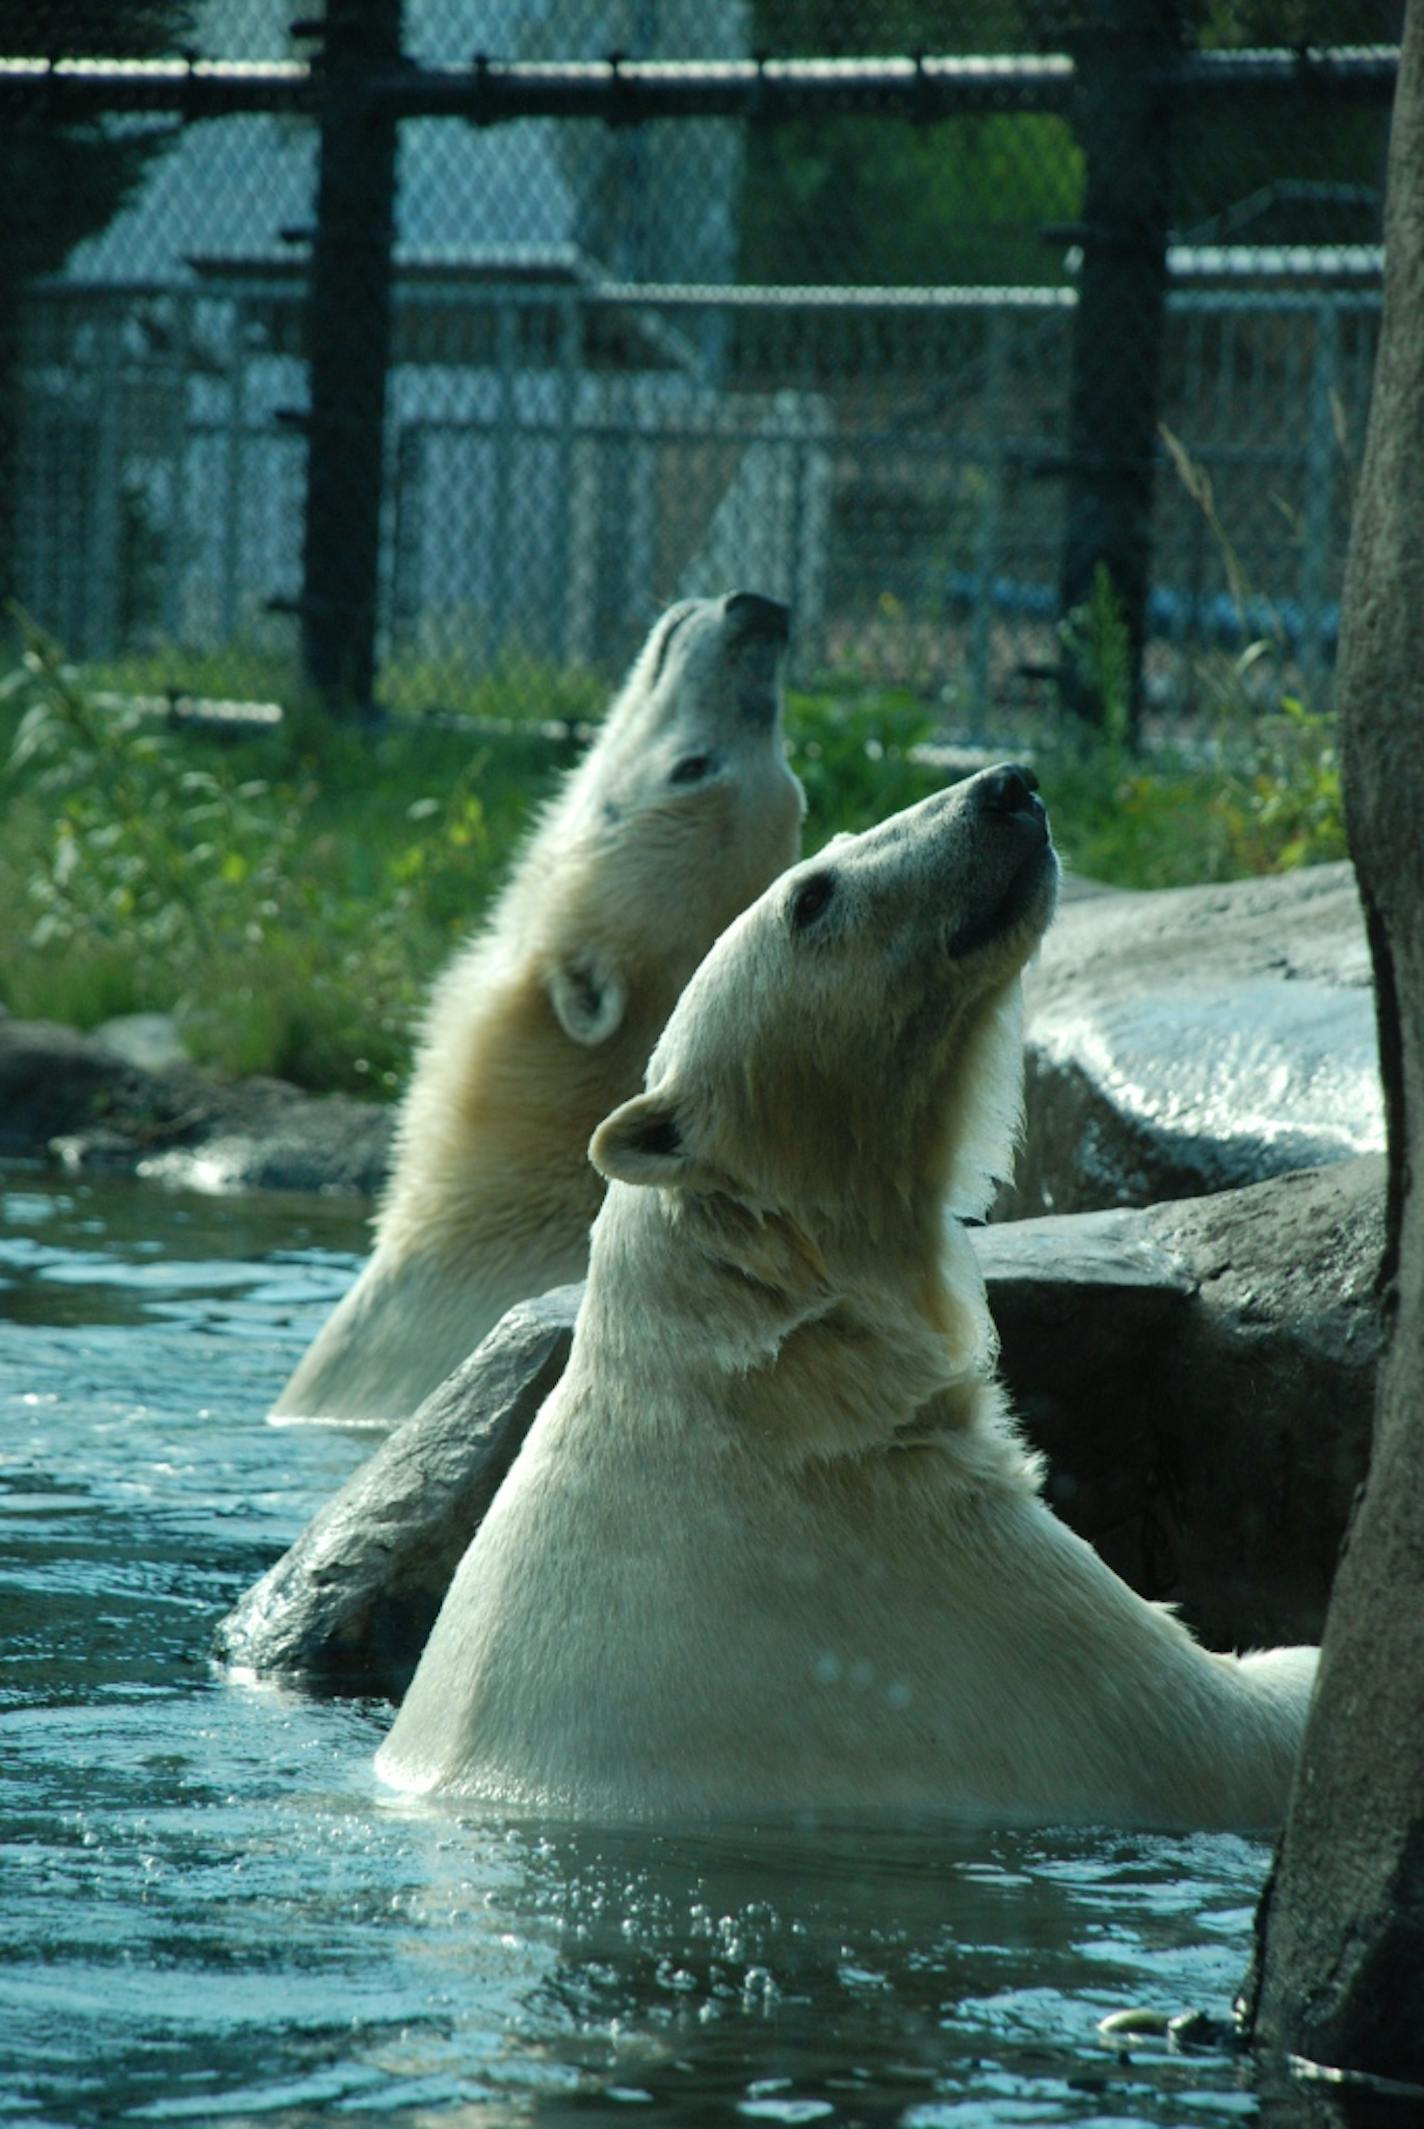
811, 898
691, 769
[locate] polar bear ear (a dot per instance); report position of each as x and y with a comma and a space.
589, 997
643, 1143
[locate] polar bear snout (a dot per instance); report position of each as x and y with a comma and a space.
1004, 869
1011, 793
1007, 801
751, 614
755, 631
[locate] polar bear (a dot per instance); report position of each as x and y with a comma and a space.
676, 818
773, 1543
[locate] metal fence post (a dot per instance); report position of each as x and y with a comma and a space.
1121, 117
348, 348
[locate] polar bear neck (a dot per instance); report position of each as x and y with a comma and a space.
500, 1090
751, 1316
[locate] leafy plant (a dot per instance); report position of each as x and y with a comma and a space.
144, 845
856, 757
290, 919
1097, 646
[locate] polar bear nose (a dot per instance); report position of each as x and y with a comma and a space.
753, 614
1009, 789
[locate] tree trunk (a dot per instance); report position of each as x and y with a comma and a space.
1339, 1974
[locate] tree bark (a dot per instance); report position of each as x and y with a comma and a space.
1339, 1973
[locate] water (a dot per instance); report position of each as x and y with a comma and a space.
210, 1912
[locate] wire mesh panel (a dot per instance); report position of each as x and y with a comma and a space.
331, 356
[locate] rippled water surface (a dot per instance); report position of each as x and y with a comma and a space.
211, 1912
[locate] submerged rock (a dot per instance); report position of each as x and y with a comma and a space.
1197, 1039
77, 1101
1200, 1376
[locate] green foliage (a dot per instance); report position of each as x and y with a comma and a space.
515, 689
1258, 791
288, 903
1269, 801
1298, 23
290, 896
1098, 648
959, 203
61, 183
962, 202
967, 201
855, 756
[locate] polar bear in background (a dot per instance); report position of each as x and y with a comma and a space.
676, 818
773, 1544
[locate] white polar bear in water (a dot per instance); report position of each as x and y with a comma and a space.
773, 1543
675, 820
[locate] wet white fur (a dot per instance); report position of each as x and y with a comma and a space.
546, 1018
773, 1544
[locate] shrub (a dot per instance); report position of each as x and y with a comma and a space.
290, 919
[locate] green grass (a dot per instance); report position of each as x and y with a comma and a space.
289, 895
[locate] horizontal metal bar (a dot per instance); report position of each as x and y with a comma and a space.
492, 91
1364, 73
628, 90
195, 88
786, 301
970, 446
616, 295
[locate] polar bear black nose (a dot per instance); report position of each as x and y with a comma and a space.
1009, 789
755, 615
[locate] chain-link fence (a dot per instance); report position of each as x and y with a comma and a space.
406, 344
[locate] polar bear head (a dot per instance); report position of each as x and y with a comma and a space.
850, 1051
678, 817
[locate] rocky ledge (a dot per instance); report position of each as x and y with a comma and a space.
1197, 1039
79, 1102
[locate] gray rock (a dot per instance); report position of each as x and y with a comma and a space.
149, 1040
74, 1101
1199, 1375
1197, 1039
349, 1608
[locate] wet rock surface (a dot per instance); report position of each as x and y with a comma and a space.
1200, 1376
349, 1607
74, 1101
1197, 1039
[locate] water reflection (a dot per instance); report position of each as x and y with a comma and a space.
212, 1913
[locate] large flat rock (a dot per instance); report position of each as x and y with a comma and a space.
1200, 1376
1197, 1039
79, 1103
